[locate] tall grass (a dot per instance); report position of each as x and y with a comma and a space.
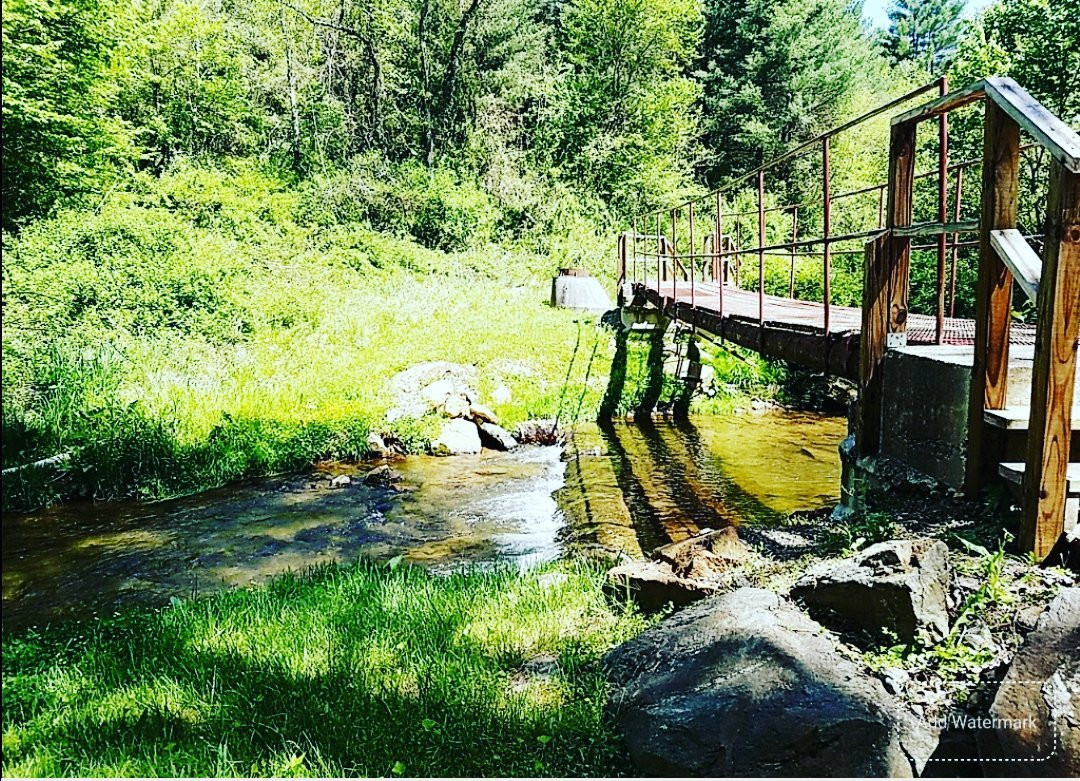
345, 670
216, 324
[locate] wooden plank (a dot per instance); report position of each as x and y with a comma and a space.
944, 104
1053, 376
1013, 471
1016, 418
993, 292
898, 215
875, 323
1060, 140
1017, 254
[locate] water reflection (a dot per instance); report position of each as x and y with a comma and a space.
623, 489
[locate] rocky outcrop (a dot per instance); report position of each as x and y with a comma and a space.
1037, 706
744, 684
898, 586
683, 572
447, 389
458, 437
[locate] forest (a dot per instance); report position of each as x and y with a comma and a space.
228, 225
204, 202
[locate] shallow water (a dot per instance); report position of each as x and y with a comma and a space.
625, 489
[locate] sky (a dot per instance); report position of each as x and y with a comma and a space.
875, 11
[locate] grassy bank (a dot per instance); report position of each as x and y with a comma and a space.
220, 323
356, 670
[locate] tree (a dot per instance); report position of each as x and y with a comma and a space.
926, 32
60, 138
775, 72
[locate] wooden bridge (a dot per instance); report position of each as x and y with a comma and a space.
733, 262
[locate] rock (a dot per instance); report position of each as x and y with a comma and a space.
895, 679
439, 391
458, 437
653, 584
1038, 702
455, 406
899, 586
495, 437
377, 445
340, 481
501, 395
705, 556
479, 412
539, 432
382, 476
406, 386
579, 291
744, 684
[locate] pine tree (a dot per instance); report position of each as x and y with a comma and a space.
926, 32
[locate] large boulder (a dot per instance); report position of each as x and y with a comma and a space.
744, 684
1037, 707
898, 586
458, 437
427, 386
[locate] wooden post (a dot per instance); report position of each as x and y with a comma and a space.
993, 292
718, 247
875, 325
633, 248
1054, 374
674, 259
898, 214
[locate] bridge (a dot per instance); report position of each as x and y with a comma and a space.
847, 282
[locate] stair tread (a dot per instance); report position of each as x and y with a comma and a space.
1016, 418
1013, 471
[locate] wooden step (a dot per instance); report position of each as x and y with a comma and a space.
1016, 418
1013, 471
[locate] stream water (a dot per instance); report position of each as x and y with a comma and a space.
624, 489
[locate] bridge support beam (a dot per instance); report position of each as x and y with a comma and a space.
1054, 374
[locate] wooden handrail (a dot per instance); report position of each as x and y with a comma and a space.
1060, 140
1020, 258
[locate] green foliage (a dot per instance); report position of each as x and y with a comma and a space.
926, 32
775, 72
344, 670
59, 139
215, 323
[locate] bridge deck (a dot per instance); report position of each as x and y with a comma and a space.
795, 330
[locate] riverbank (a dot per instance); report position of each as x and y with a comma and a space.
344, 670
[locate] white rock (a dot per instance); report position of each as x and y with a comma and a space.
458, 437
480, 412
340, 481
439, 391
456, 407
501, 395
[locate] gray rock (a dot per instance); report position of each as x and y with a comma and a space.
340, 481
479, 412
495, 437
539, 432
899, 586
1038, 702
458, 437
744, 684
382, 476
653, 585
377, 445
406, 386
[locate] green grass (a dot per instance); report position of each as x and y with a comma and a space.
355, 670
217, 324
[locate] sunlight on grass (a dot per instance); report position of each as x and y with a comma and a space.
343, 670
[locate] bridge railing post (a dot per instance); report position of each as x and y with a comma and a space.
872, 339
826, 224
993, 292
1053, 377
